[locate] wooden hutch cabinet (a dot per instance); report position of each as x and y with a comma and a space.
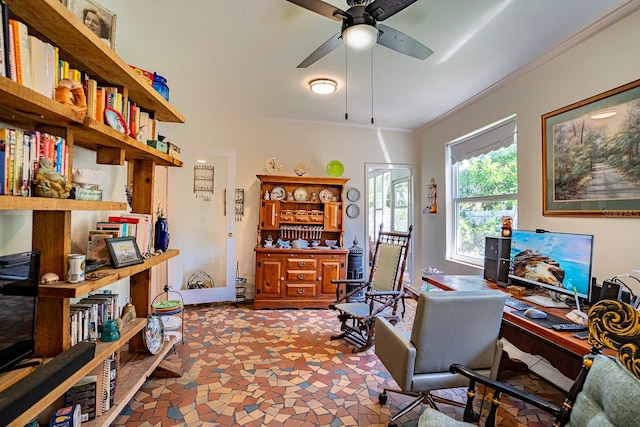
304, 212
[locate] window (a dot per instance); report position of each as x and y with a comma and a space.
484, 188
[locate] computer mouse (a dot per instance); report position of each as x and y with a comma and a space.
534, 313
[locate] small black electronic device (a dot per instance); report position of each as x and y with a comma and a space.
567, 327
583, 335
19, 280
610, 290
94, 264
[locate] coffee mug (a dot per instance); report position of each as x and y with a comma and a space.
75, 268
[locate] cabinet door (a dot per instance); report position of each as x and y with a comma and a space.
329, 270
269, 214
269, 278
333, 216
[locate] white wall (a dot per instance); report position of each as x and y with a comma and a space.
601, 63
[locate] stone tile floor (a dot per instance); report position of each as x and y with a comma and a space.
245, 367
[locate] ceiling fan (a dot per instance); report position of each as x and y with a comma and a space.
361, 28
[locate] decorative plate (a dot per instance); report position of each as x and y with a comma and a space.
273, 165
335, 168
153, 334
300, 194
301, 168
115, 120
353, 211
278, 193
353, 194
326, 195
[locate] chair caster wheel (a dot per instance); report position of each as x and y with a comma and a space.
382, 398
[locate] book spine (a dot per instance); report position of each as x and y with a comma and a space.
26, 165
13, 72
4, 12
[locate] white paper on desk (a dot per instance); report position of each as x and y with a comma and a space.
576, 316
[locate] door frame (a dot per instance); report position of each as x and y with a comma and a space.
176, 270
368, 168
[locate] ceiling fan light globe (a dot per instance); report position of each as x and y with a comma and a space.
323, 86
360, 36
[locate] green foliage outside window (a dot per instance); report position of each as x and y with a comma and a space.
487, 191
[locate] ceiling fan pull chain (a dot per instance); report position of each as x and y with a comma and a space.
371, 85
346, 87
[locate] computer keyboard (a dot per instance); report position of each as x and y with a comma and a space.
517, 304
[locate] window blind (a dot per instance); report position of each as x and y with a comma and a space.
492, 138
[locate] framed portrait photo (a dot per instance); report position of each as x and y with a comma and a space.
591, 156
124, 251
96, 17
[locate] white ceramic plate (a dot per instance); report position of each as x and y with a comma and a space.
326, 195
300, 194
278, 193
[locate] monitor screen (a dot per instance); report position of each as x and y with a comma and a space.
556, 261
19, 277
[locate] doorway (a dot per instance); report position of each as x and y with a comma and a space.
389, 200
205, 229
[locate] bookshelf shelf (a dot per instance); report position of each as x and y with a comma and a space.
85, 51
76, 290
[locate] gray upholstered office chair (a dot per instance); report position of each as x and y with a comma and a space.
449, 327
605, 393
383, 291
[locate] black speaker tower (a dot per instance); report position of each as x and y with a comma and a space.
496, 259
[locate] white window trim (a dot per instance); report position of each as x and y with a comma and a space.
491, 137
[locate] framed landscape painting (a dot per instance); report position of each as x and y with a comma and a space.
591, 156
95, 17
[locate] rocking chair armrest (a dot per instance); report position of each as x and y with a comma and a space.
397, 294
505, 389
338, 281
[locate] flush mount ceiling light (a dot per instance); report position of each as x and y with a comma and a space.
360, 37
604, 114
323, 86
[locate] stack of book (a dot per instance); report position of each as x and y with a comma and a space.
89, 315
139, 226
20, 154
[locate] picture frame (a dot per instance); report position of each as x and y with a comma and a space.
124, 251
100, 20
590, 160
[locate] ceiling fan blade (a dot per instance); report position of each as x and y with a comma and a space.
400, 42
322, 8
322, 51
383, 9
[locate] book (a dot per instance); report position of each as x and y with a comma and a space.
4, 38
113, 226
100, 104
25, 184
18, 153
83, 393
144, 230
92, 87
23, 57
12, 71
43, 70
97, 244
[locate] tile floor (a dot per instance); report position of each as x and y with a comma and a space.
245, 367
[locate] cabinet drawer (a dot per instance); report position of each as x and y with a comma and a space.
307, 276
301, 264
301, 291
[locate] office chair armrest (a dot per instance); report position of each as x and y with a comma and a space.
505, 388
396, 352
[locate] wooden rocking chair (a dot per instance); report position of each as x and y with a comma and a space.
382, 291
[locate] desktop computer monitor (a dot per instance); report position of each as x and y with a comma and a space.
559, 262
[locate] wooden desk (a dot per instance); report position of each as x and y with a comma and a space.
561, 349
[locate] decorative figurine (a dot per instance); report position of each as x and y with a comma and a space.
266, 195
49, 183
314, 197
269, 242
507, 224
290, 197
71, 94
